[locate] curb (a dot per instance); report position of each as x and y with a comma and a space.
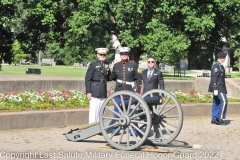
62, 118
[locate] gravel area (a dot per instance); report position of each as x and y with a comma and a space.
218, 142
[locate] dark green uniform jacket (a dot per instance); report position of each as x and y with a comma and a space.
217, 81
96, 79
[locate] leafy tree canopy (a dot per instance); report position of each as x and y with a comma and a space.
70, 30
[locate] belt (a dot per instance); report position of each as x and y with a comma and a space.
126, 82
101, 81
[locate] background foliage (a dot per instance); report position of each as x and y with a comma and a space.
70, 30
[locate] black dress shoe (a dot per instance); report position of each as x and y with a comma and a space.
215, 122
218, 122
222, 122
212, 122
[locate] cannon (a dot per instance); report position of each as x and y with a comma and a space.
156, 117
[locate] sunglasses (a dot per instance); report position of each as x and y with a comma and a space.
150, 61
102, 54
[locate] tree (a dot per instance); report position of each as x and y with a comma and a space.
6, 36
18, 53
168, 30
70, 30
237, 55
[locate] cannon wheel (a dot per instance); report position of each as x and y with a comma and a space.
168, 117
124, 131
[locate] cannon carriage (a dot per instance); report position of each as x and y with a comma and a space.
154, 117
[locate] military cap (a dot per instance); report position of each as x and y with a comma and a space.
101, 50
123, 50
221, 55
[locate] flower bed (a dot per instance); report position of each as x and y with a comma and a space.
53, 99
43, 99
186, 96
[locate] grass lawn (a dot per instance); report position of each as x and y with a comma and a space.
61, 70
235, 75
45, 70
69, 71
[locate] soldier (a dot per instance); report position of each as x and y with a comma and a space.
125, 73
96, 83
218, 87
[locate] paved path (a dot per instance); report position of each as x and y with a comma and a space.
219, 142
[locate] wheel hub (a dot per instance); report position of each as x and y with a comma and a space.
124, 120
157, 118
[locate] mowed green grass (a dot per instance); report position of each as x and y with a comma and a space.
62, 70
235, 75
45, 70
67, 71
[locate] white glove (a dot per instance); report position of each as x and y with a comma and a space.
215, 92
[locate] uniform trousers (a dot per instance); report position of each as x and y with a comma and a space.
94, 109
118, 101
219, 106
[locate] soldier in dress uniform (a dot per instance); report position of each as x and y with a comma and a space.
218, 87
126, 74
96, 83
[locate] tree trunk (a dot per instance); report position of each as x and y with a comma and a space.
157, 64
135, 54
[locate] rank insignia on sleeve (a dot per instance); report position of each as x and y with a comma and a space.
215, 70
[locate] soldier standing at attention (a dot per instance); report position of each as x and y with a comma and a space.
218, 87
96, 83
125, 73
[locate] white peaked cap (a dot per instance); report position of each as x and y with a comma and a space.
101, 50
124, 49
